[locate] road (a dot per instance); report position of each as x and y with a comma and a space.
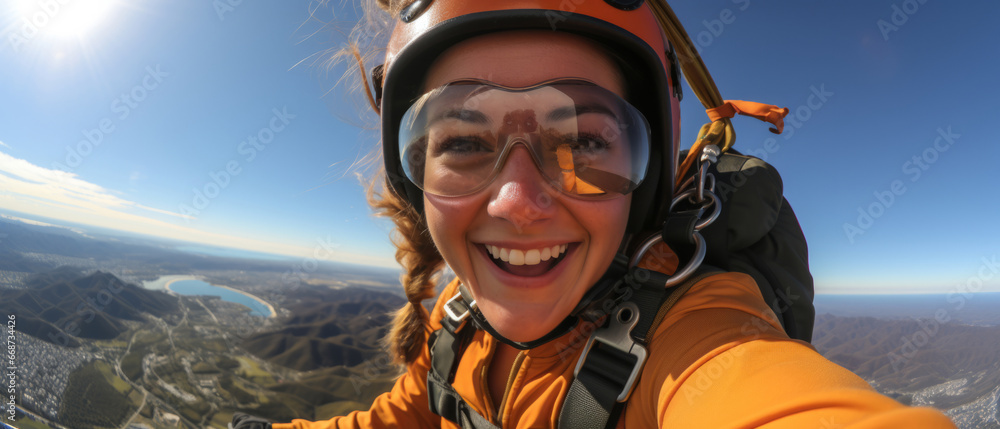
146, 398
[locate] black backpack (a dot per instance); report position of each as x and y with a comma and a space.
757, 233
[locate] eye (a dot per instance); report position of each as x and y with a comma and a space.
586, 143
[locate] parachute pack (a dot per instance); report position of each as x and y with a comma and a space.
757, 233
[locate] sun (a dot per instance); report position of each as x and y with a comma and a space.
63, 19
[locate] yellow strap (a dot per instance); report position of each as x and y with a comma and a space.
720, 131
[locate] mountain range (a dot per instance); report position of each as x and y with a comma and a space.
63, 305
328, 328
947, 365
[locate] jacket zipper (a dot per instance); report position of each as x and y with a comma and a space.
514, 369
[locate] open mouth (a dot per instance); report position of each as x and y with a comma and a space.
527, 263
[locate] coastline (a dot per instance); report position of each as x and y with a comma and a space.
255, 298
270, 307
180, 279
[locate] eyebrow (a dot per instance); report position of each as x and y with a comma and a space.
567, 112
465, 115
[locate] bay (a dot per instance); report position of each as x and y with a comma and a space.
198, 287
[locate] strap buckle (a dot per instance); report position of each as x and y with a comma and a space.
617, 335
457, 309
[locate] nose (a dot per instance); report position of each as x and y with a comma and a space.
520, 194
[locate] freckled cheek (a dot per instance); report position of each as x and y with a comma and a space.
605, 223
451, 212
449, 220
606, 220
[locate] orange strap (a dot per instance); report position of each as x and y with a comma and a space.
765, 112
572, 183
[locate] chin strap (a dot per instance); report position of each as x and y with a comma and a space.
564, 327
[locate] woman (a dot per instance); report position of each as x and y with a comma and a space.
528, 145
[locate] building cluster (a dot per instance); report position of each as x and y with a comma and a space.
128, 271
981, 413
12, 279
55, 260
46, 368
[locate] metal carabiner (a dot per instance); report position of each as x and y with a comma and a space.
709, 155
700, 251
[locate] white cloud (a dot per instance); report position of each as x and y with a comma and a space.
30, 189
4, 145
20, 177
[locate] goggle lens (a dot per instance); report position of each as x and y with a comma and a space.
585, 140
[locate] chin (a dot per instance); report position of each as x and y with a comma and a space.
522, 324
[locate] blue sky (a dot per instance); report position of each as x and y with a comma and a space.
174, 92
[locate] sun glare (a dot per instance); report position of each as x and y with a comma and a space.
63, 18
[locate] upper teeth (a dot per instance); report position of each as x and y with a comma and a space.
526, 257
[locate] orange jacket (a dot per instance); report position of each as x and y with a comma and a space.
719, 359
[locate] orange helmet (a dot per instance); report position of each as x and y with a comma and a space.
628, 28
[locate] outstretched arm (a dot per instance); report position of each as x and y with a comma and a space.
720, 359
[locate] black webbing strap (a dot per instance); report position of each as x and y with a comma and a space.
446, 347
446, 402
649, 297
598, 393
592, 399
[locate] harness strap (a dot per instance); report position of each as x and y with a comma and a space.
446, 345
447, 403
605, 374
592, 399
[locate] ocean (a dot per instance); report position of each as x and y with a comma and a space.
971, 308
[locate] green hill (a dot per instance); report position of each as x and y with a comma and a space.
94, 397
336, 327
62, 305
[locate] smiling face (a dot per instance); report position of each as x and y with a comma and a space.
526, 251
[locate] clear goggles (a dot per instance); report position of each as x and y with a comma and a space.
585, 140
